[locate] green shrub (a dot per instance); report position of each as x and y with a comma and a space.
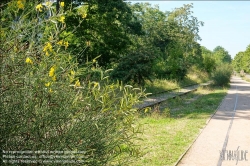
135, 67
209, 63
44, 106
221, 76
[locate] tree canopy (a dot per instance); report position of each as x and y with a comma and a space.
242, 60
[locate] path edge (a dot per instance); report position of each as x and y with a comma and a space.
211, 116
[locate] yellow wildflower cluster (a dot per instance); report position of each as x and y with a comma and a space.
77, 83
47, 84
72, 72
20, 4
61, 19
52, 73
66, 44
60, 42
47, 47
63, 43
29, 61
62, 4
39, 7
84, 15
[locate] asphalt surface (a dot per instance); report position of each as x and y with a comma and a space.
226, 138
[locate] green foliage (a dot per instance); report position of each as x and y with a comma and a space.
173, 35
135, 67
221, 55
242, 61
221, 76
208, 60
45, 106
238, 62
104, 31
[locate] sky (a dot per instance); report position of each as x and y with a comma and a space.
226, 23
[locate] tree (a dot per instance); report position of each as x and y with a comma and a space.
221, 55
208, 60
174, 35
238, 62
136, 66
104, 30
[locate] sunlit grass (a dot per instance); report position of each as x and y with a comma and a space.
194, 76
165, 138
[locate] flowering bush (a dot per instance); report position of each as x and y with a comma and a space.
44, 103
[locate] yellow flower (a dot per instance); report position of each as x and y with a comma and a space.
28, 60
60, 42
50, 90
77, 84
94, 60
47, 53
62, 19
54, 78
20, 5
88, 43
47, 84
72, 72
48, 46
62, 4
84, 15
52, 71
39, 7
66, 44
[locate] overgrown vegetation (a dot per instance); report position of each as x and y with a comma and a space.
63, 65
46, 106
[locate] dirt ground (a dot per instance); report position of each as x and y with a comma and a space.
226, 138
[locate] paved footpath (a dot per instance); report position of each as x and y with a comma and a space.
226, 138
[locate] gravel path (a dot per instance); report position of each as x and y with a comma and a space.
226, 138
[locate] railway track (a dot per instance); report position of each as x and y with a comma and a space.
163, 96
